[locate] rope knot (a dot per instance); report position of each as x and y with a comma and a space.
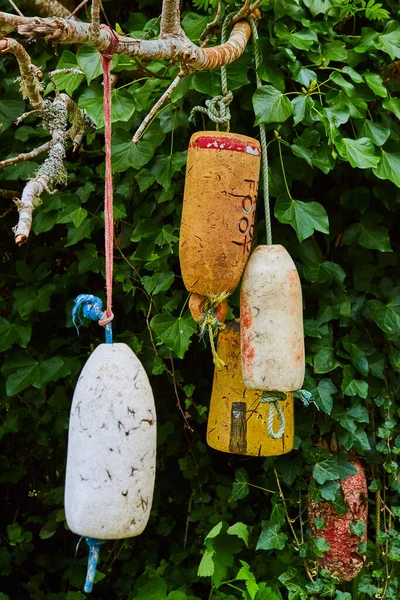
273, 399
217, 109
107, 55
91, 307
210, 321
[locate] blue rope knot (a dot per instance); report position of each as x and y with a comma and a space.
305, 397
214, 322
90, 307
94, 553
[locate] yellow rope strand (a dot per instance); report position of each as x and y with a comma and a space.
210, 321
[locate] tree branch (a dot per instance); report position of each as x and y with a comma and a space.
176, 48
26, 155
171, 18
49, 8
95, 24
51, 172
167, 94
9, 23
8, 193
30, 85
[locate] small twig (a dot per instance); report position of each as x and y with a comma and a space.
26, 115
95, 23
78, 8
15, 7
31, 87
8, 193
242, 13
288, 519
208, 31
166, 95
178, 403
52, 74
187, 521
6, 212
26, 155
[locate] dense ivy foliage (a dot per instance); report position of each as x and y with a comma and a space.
222, 526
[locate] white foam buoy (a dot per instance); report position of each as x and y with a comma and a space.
111, 447
271, 312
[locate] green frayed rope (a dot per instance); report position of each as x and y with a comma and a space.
263, 137
217, 109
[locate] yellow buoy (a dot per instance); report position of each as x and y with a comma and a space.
238, 418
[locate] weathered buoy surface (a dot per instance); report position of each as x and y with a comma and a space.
197, 307
342, 559
219, 203
111, 447
237, 420
271, 312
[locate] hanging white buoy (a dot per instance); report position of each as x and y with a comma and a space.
111, 447
271, 312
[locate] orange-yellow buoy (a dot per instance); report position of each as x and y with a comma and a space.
238, 417
219, 203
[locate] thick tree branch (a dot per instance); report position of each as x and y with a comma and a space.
26, 155
9, 23
176, 48
30, 85
171, 18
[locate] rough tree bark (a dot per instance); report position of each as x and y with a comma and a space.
172, 45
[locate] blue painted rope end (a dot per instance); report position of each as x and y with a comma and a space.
90, 307
94, 552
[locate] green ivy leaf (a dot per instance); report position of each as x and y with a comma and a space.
390, 39
271, 106
368, 234
126, 154
11, 107
330, 490
89, 61
165, 167
271, 537
122, 104
375, 83
320, 546
358, 528
389, 167
326, 470
72, 212
206, 566
386, 316
240, 487
304, 217
240, 530
351, 386
392, 104
67, 81
360, 153
248, 577
174, 332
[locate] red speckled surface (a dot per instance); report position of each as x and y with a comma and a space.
239, 144
342, 560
